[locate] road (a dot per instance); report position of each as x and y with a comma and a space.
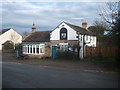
16, 75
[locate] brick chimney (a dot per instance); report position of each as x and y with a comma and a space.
84, 24
33, 28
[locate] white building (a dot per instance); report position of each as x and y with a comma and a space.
9, 35
67, 35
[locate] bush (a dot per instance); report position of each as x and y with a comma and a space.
8, 46
18, 47
66, 55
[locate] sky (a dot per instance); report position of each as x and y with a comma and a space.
20, 15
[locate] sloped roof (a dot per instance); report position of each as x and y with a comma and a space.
80, 29
5, 30
38, 36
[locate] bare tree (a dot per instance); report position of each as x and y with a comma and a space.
109, 13
24, 34
98, 28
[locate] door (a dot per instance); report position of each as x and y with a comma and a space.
53, 52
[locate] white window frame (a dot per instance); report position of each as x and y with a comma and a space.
41, 46
26, 46
63, 47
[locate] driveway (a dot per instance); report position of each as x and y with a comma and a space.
17, 75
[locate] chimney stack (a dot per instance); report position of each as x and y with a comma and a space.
84, 24
33, 28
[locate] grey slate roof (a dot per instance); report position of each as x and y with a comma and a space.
5, 30
38, 36
80, 29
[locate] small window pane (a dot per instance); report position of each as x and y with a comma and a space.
28, 49
42, 48
37, 49
63, 34
64, 47
33, 49
25, 49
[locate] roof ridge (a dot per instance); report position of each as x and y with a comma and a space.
76, 26
6, 28
44, 31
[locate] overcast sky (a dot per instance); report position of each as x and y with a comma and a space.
46, 15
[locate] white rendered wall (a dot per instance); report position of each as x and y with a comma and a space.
89, 41
81, 45
10, 35
71, 34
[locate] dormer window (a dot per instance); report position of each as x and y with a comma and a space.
63, 34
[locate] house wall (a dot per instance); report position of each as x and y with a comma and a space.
72, 39
47, 50
71, 34
10, 35
70, 42
86, 40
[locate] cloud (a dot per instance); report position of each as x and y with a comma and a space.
46, 15
58, 0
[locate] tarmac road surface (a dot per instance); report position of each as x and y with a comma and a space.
16, 75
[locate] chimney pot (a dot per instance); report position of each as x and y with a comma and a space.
84, 24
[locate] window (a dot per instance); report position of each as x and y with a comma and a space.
90, 38
63, 46
33, 49
41, 48
63, 34
86, 37
93, 38
81, 37
37, 49
24, 49
28, 49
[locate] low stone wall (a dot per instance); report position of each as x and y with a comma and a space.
48, 50
36, 56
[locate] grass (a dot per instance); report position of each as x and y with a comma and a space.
98, 60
